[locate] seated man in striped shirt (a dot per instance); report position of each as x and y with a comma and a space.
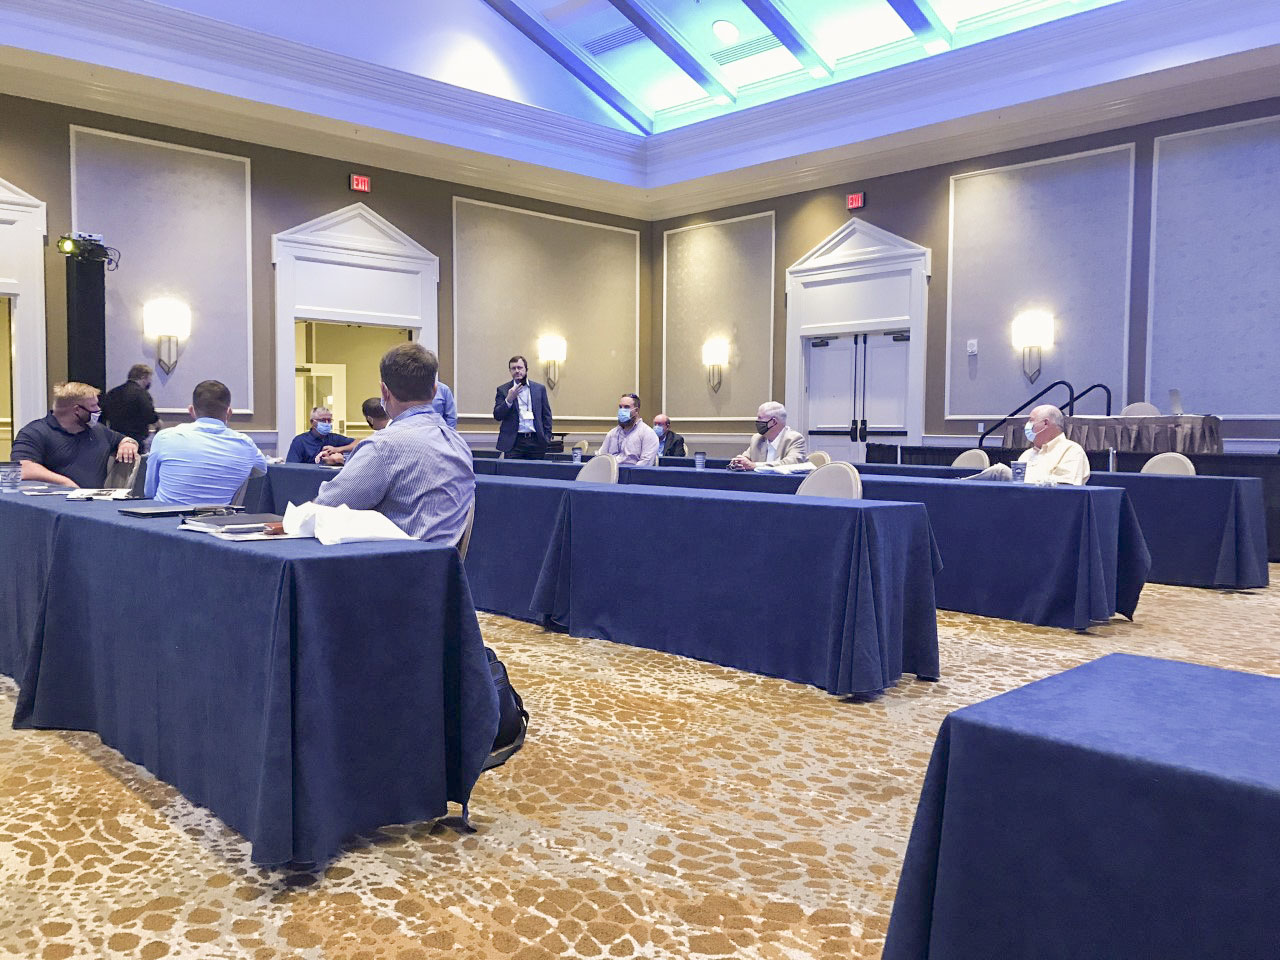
417, 471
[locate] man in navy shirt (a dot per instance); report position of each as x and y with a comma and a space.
306, 447
69, 447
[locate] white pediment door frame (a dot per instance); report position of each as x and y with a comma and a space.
860, 279
22, 232
349, 266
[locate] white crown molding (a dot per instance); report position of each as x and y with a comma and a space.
1127, 63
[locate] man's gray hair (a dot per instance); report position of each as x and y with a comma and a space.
774, 409
315, 410
1054, 416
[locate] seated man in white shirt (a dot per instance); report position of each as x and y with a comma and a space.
205, 461
1051, 458
632, 441
774, 443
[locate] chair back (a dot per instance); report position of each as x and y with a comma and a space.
121, 475
819, 458
599, 469
837, 479
580, 445
465, 540
138, 484
1170, 464
254, 474
1140, 409
974, 459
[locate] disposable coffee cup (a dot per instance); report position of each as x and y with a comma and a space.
10, 476
1019, 472
699, 461
577, 455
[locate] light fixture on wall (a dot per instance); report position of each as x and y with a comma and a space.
715, 357
166, 320
551, 353
1032, 334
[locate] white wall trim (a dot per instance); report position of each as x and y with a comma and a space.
1151, 262
1131, 149
77, 131
546, 216
23, 226
773, 309
836, 257
328, 241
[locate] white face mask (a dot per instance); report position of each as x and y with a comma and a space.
1030, 431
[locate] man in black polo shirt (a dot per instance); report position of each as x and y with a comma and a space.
128, 408
69, 447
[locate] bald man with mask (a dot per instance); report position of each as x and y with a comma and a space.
1051, 458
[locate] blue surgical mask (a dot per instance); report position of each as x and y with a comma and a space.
1030, 431
658, 429
624, 416
324, 427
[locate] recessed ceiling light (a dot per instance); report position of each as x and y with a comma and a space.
937, 45
725, 32
818, 72
720, 100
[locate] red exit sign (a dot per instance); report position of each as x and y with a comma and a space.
360, 183
855, 201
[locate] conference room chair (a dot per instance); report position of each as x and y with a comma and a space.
819, 458
974, 459
599, 469
580, 445
254, 474
465, 541
838, 480
1140, 409
1170, 464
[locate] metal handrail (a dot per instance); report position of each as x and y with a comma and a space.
1071, 396
1071, 407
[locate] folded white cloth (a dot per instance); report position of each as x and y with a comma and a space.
339, 524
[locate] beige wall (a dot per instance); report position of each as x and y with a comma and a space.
6, 381
360, 348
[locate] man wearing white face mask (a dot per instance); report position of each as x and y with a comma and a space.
1051, 458
70, 447
632, 441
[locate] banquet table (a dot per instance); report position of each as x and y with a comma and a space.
1125, 808
299, 692
841, 598
1054, 556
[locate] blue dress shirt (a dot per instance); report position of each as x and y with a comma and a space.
201, 462
305, 446
445, 405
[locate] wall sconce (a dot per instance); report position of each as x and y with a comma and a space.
166, 321
1032, 333
551, 353
715, 357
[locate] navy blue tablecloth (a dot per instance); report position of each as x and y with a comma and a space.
1126, 808
830, 593
246, 675
1054, 556
26, 550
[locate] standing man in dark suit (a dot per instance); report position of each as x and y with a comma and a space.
523, 412
672, 444
128, 408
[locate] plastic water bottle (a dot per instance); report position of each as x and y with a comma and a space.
1111, 459
10, 477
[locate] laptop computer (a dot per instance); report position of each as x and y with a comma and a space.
179, 509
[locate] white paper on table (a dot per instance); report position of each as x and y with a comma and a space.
785, 468
92, 493
340, 524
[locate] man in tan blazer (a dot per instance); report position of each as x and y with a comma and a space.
774, 443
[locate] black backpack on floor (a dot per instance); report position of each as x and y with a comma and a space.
513, 719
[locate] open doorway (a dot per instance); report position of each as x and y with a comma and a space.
7, 426
336, 366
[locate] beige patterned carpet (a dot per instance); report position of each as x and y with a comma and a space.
661, 808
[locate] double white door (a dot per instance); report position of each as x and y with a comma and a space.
856, 388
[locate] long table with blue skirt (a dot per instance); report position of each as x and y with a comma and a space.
1201, 531
245, 674
852, 610
1125, 808
1062, 557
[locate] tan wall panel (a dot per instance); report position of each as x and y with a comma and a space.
718, 282
519, 276
360, 349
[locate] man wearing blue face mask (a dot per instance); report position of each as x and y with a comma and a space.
632, 441
306, 447
671, 444
1051, 458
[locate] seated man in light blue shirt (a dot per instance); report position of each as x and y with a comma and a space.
417, 472
445, 405
205, 461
